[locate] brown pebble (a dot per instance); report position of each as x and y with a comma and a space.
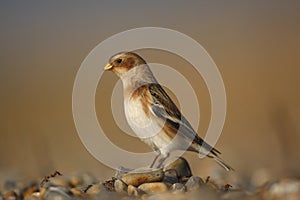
77, 192
43, 191
133, 191
120, 186
95, 189
58, 181
155, 187
75, 181
11, 195
33, 196
142, 175
30, 190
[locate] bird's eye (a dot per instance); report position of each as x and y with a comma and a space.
119, 60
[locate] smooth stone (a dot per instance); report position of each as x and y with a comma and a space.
170, 178
181, 166
33, 196
99, 191
11, 195
29, 190
77, 192
133, 191
194, 183
178, 187
155, 187
143, 175
57, 181
120, 186
57, 193
75, 181
95, 189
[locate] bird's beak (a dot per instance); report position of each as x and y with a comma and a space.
108, 67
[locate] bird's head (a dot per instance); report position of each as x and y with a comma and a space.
121, 63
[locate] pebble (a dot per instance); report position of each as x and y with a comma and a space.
99, 191
95, 189
178, 188
77, 192
32, 188
75, 181
170, 178
143, 175
155, 187
58, 181
194, 183
11, 195
133, 191
33, 196
180, 166
57, 193
120, 186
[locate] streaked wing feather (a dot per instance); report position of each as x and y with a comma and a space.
164, 108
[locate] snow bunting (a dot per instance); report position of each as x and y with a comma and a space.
152, 114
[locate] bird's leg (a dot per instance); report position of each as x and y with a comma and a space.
155, 159
162, 160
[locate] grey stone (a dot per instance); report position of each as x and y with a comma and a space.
194, 183
57, 193
178, 187
170, 178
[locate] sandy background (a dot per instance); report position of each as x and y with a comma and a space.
255, 44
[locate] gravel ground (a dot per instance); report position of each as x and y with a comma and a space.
175, 181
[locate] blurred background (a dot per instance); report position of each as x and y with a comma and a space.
255, 45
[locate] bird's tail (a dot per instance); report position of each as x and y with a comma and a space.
222, 163
214, 154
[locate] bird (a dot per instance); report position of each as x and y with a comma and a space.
152, 114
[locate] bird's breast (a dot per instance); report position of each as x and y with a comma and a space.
139, 118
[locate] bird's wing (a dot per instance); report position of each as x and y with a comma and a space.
163, 107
